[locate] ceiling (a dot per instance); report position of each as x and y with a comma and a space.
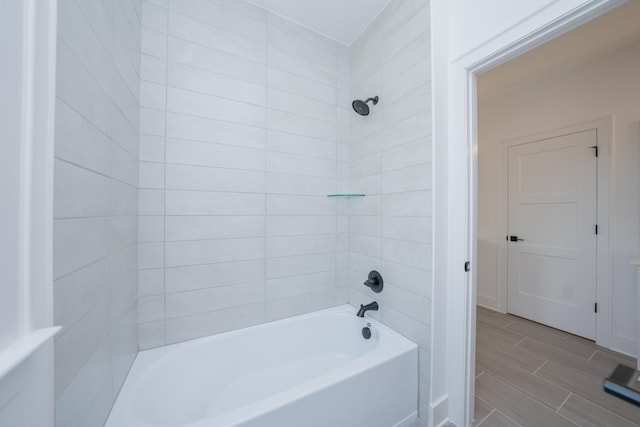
603, 34
341, 20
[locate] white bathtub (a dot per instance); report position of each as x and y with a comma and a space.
306, 371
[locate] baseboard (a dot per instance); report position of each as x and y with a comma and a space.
408, 421
439, 412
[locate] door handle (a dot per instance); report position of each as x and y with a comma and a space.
515, 239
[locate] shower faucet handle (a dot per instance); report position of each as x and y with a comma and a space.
374, 281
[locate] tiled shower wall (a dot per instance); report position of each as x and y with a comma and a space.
243, 123
95, 205
390, 151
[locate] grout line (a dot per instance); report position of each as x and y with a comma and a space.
563, 402
267, 107
509, 418
524, 338
164, 189
508, 324
485, 418
540, 367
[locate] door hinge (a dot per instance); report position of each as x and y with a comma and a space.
595, 148
595, 307
467, 266
596, 228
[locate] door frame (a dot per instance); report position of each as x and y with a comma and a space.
455, 191
604, 132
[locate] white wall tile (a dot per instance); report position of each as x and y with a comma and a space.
97, 129
252, 27
152, 121
75, 347
154, 43
151, 202
210, 130
216, 38
287, 225
409, 154
278, 204
211, 299
300, 165
79, 292
406, 107
416, 229
150, 308
283, 246
212, 203
281, 183
213, 322
150, 228
80, 192
301, 67
301, 86
298, 285
414, 203
151, 282
151, 255
410, 178
151, 148
196, 153
297, 144
80, 142
154, 17
152, 95
302, 105
179, 279
416, 280
151, 175
184, 177
408, 253
213, 107
91, 381
411, 54
153, 69
151, 335
300, 265
299, 304
390, 160
206, 82
78, 242
299, 125
205, 58
302, 42
213, 227
211, 251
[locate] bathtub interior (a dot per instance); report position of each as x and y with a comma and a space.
266, 361
188, 382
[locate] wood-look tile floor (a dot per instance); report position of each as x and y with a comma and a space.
528, 374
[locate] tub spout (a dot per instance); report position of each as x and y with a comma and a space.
364, 308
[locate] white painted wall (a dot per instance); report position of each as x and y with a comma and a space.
601, 87
27, 85
500, 32
390, 229
241, 119
95, 202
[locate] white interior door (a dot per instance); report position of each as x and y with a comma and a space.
551, 240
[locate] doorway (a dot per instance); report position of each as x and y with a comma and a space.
545, 121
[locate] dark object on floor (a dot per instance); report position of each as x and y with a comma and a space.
624, 383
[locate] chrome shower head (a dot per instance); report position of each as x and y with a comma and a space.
361, 107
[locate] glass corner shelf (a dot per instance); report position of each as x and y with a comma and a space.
345, 195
